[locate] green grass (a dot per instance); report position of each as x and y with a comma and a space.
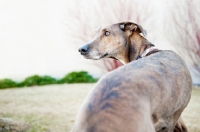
53, 108
47, 108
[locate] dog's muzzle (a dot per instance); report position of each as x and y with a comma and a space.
84, 50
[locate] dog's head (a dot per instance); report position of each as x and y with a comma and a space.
111, 41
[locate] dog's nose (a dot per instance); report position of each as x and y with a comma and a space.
83, 49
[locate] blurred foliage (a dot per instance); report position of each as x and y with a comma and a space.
38, 80
73, 77
7, 83
78, 77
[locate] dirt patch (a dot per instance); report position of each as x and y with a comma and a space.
8, 125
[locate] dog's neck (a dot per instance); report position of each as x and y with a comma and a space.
136, 45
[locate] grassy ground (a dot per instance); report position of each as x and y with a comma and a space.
53, 108
191, 114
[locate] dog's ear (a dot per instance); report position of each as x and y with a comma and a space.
133, 27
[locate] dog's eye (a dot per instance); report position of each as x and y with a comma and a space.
107, 33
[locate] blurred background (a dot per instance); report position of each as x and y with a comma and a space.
42, 37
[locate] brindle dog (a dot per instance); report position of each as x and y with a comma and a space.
147, 94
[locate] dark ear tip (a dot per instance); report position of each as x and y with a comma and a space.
126, 24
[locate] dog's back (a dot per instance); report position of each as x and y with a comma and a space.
146, 95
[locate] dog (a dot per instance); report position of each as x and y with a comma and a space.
147, 94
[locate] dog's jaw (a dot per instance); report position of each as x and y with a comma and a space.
103, 56
95, 55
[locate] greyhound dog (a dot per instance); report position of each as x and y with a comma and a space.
147, 94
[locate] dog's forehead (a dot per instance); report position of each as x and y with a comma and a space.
110, 27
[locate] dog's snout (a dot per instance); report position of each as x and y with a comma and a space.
83, 50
